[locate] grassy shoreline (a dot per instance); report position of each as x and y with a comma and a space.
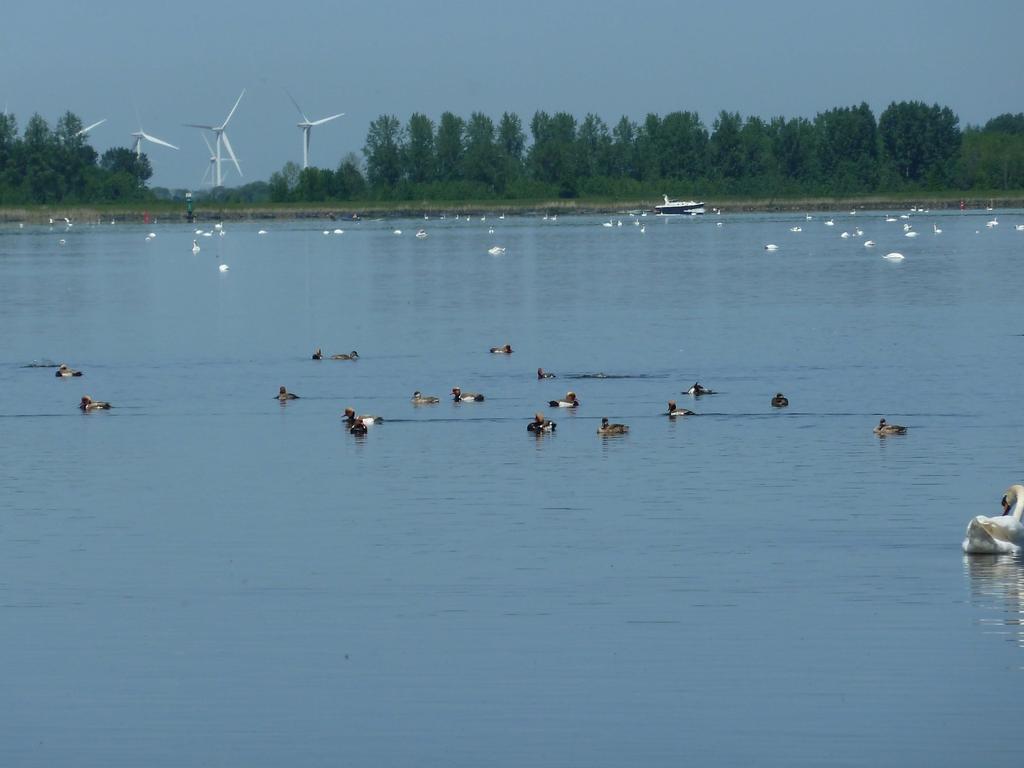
205, 211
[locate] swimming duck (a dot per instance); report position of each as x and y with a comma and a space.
466, 397
699, 389
351, 418
506, 350
569, 402
418, 398
284, 395
780, 400
884, 429
88, 404
542, 374
63, 372
673, 411
318, 354
540, 424
353, 355
611, 429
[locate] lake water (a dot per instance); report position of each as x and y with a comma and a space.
202, 576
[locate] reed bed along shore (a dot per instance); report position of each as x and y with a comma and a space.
213, 211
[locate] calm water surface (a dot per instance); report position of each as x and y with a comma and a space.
202, 576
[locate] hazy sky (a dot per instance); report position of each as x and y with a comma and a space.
188, 61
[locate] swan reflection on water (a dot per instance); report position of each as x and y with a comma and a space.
997, 585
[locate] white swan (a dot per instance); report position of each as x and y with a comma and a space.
796, 229
223, 267
869, 243
936, 229
998, 535
771, 247
195, 247
893, 256
496, 250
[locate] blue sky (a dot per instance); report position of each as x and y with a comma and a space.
188, 62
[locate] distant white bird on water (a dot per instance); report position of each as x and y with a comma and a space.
339, 231
396, 232
496, 250
893, 256
796, 229
223, 267
911, 233
869, 243
830, 223
207, 234
936, 230
1019, 227
262, 232
993, 223
195, 247
771, 247
421, 234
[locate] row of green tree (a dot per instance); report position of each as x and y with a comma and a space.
844, 151
57, 165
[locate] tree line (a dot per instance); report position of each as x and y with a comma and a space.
911, 147
57, 165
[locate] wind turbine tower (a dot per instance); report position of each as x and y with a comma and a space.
307, 126
221, 138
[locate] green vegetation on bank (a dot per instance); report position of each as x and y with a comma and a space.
912, 151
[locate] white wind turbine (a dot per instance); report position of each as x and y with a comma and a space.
222, 138
141, 134
307, 125
90, 127
211, 166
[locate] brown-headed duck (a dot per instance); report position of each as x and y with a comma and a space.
885, 429
88, 404
611, 429
540, 424
673, 411
570, 401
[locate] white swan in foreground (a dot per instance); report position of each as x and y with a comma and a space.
998, 535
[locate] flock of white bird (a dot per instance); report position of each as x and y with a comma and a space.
908, 230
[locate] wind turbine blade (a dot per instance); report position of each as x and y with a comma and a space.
232, 112
196, 125
231, 152
155, 140
328, 119
90, 127
297, 105
206, 141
